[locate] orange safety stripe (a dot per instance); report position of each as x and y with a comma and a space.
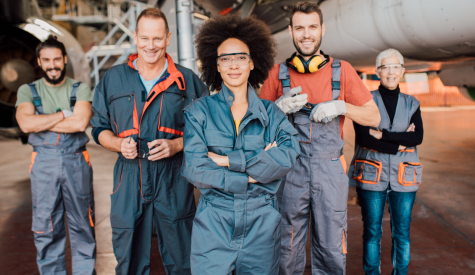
175, 77
57, 142
86, 157
374, 163
120, 181
343, 162
116, 129
370, 149
170, 131
310, 141
160, 114
90, 217
127, 133
291, 240
39, 232
52, 225
343, 243
133, 131
402, 173
33, 156
407, 150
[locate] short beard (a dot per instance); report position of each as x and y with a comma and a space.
55, 81
312, 53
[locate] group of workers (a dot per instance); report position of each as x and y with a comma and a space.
266, 166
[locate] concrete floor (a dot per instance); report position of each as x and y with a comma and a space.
443, 220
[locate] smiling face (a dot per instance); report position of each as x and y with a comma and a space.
151, 39
234, 75
307, 32
53, 65
390, 76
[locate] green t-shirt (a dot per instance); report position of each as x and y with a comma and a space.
54, 99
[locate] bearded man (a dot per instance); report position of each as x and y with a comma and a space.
56, 110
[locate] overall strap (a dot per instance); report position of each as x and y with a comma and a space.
336, 73
36, 98
73, 95
284, 77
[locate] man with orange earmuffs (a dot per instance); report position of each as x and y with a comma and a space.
316, 93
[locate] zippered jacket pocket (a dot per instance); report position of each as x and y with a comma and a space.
410, 173
367, 171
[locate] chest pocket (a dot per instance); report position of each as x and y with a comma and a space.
174, 101
219, 142
303, 125
253, 142
121, 108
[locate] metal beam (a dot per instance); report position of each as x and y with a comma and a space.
247, 8
186, 53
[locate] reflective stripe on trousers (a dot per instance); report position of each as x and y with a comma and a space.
239, 234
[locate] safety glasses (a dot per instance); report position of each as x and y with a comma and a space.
226, 60
390, 67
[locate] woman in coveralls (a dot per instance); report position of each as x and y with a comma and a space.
237, 149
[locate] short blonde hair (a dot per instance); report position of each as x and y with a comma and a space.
154, 13
388, 53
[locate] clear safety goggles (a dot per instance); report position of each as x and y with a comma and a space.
390, 67
241, 59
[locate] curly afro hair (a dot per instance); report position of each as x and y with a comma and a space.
253, 32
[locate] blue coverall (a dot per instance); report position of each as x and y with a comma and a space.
148, 190
237, 226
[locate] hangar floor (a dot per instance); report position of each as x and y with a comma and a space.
443, 220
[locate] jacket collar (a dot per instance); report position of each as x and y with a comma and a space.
175, 74
255, 104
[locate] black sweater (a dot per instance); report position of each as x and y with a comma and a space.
390, 141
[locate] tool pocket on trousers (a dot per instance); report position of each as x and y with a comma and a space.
33, 157
303, 125
117, 186
287, 239
82, 174
90, 213
42, 220
410, 173
367, 171
124, 199
51, 138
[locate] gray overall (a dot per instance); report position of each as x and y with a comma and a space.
373, 171
317, 186
61, 180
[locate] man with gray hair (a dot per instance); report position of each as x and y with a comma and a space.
386, 166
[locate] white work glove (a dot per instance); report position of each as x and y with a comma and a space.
289, 103
326, 111
67, 113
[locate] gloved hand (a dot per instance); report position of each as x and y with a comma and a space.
326, 111
67, 113
291, 101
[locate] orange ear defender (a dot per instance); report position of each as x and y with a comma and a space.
312, 65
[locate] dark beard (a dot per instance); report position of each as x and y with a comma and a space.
54, 81
314, 52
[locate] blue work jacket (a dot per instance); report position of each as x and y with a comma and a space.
210, 127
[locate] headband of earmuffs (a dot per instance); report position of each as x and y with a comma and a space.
314, 64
